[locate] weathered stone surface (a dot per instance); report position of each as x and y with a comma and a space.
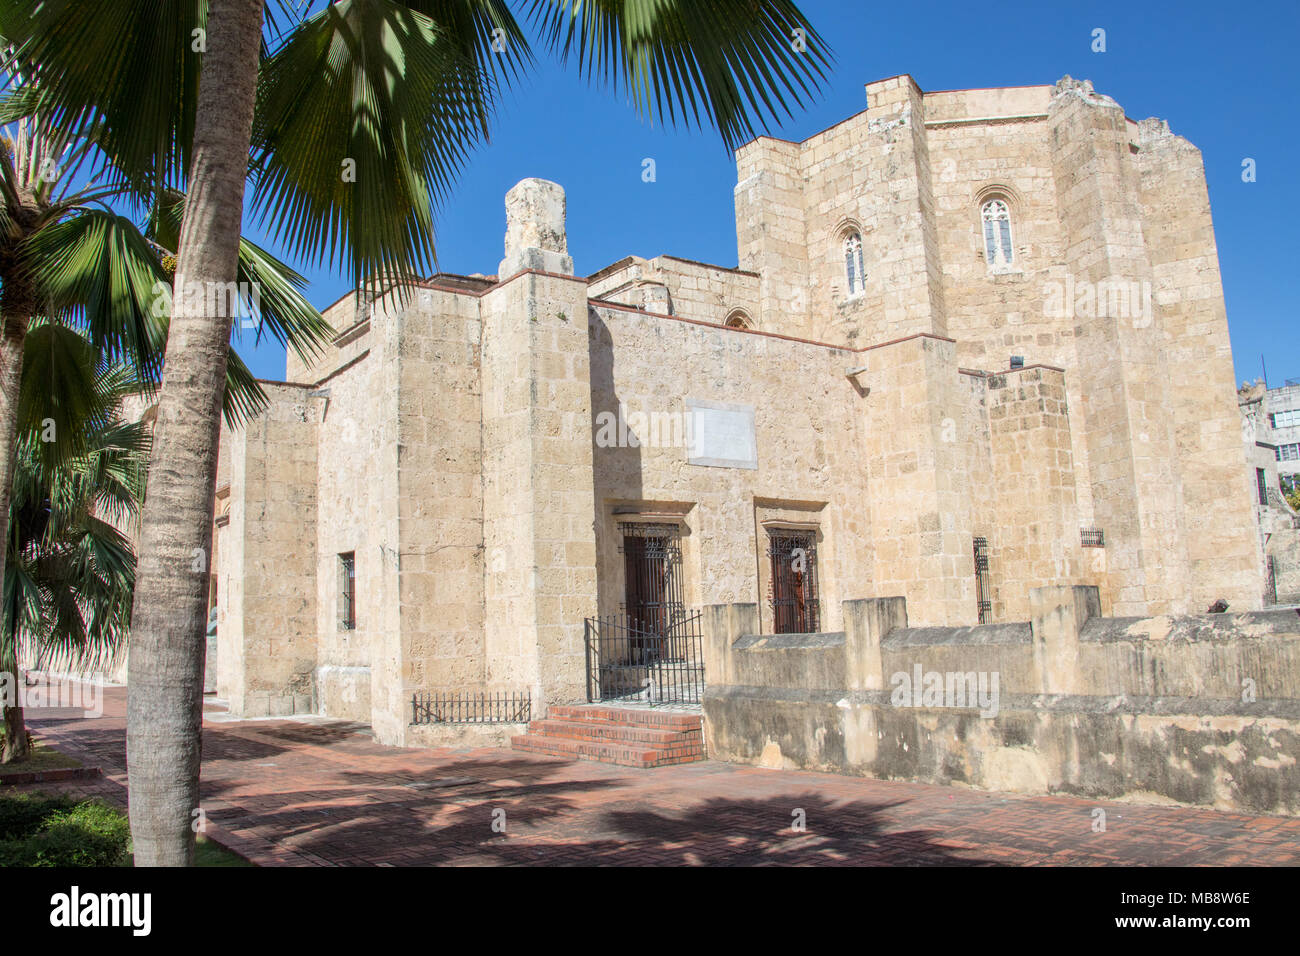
1198, 710
451, 436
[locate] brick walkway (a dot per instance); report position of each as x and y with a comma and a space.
294, 792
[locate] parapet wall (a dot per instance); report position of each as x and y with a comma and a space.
1199, 710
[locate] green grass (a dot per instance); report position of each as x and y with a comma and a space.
208, 853
45, 830
42, 758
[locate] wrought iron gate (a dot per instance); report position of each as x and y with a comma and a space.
984, 605
628, 661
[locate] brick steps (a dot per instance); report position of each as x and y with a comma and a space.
591, 729
625, 736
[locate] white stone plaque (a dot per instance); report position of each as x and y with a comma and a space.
722, 435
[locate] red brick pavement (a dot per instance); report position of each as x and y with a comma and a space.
289, 792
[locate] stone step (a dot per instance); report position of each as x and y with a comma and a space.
607, 730
602, 751
666, 720
630, 737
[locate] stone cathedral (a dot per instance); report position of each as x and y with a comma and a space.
976, 345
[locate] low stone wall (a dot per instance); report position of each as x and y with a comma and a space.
1198, 710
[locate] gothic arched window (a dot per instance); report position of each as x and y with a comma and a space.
855, 271
996, 217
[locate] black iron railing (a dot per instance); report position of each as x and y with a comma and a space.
983, 602
1092, 538
470, 707
630, 662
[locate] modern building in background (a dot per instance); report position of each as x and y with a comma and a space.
1282, 404
1268, 454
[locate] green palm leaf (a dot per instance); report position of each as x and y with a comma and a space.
70, 571
735, 64
363, 118
133, 65
97, 268
281, 309
100, 272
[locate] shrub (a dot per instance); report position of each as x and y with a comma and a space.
21, 815
64, 834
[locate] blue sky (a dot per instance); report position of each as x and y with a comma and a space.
1221, 74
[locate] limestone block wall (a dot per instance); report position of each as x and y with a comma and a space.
354, 517
439, 480
1114, 279
899, 467
267, 650
1136, 485
1199, 710
1223, 553
771, 217
694, 290
919, 490
1033, 531
808, 432
349, 317
538, 533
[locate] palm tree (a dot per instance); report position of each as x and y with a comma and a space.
70, 571
394, 93
65, 251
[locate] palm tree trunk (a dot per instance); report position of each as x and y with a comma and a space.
17, 303
14, 747
169, 617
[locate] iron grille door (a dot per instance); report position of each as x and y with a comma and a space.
984, 604
652, 565
793, 555
617, 670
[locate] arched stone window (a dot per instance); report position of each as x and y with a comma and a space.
855, 271
738, 319
995, 216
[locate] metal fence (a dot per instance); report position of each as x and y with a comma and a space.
984, 603
627, 661
470, 707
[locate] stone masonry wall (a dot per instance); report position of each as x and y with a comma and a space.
808, 430
267, 625
1198, 710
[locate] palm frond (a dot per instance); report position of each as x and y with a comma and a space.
97, 268
364, 116
70, 568
244, 397
134, 66
736, 65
